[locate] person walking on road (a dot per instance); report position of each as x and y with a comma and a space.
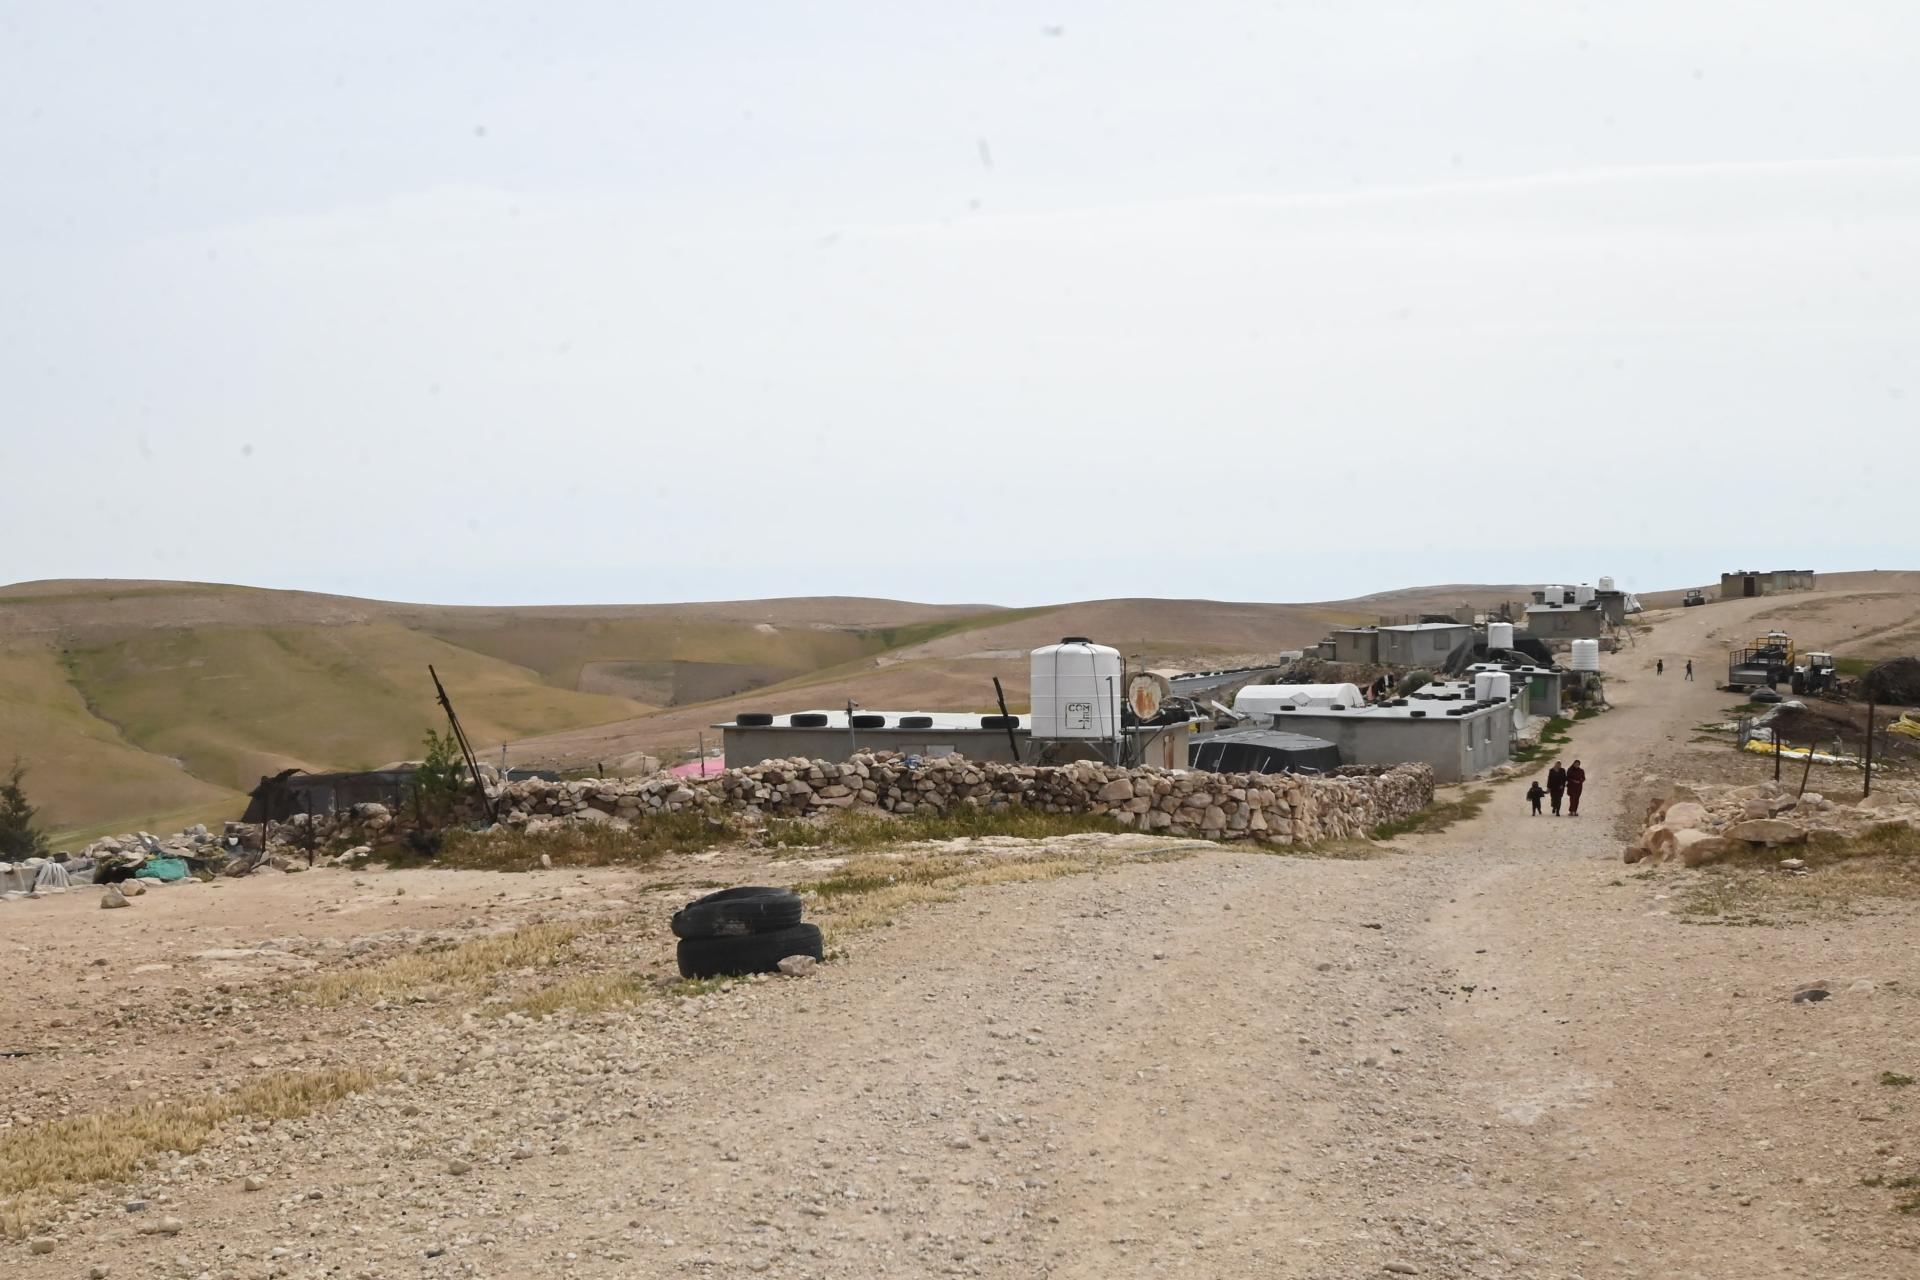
1576, 779
1556, 785
1534, 794
1659, 666
1689, 668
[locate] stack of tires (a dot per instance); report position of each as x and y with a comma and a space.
746, 930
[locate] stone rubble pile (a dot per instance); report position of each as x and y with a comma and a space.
1703, 823
1284, 808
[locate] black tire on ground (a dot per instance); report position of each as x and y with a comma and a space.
754, 719
916, 722
869, 722
999, 722
753, 953
733, 913
808, 720
1764, 695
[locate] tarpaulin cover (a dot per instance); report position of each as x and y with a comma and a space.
163, 869
1262, 751
1261, 699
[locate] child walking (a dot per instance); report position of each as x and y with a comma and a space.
1536, 793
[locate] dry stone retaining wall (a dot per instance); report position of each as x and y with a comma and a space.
1285, 808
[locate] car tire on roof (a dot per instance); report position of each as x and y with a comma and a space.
808, 720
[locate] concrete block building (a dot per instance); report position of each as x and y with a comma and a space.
1749, 582
1560, 623
1445, 728
1422, 644
827, 735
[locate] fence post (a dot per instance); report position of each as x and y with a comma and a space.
1867, 790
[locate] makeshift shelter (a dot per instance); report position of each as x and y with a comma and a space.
1262, 751
1265, 699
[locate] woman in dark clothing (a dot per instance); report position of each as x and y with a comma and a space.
1556, 785
1576, 779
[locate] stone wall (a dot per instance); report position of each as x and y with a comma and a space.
1283, 808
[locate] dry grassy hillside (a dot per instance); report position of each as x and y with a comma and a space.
155, 703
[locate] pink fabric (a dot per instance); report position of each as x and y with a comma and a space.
691, 769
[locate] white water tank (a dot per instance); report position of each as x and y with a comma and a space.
1499, 635
1606, 584
1492, 686
1586, 655
1583, 594
1075, 690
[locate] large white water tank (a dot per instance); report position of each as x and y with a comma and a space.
1606, 584
1583, 594
1075, 690
1492, 686
1586, 655
1499, 635
1266, 699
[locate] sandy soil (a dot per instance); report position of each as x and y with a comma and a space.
1491, 1052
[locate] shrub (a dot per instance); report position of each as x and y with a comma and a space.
439, 781
20, 836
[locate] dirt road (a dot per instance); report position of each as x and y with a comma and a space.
1493, 1053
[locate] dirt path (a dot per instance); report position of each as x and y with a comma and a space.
1493, 1054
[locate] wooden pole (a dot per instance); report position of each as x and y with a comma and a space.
1808, 771
1867, 790
466, 748
1776, 755
1000, 696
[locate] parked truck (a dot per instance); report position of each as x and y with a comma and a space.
1766, 660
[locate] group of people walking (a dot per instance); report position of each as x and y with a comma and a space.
1562, 784
1660, 667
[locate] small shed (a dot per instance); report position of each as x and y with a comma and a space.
1262, 751
1422, 644
1355, 644
1560, 623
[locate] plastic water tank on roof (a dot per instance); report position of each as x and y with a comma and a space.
1606, 584
1499, 635
1266, 699
1586, 655
1075, 690
1583, 594
1492, 686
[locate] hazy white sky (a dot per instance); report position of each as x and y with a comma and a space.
610, 301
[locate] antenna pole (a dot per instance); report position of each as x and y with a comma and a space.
466, 748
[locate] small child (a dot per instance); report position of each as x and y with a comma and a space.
1535, 793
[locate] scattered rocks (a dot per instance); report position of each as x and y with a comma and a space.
797, 966
40, 1244
113, 898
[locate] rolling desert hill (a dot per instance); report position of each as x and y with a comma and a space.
147, 703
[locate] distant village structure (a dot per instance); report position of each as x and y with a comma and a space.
1750, 582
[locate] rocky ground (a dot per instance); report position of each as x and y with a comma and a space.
1495, 1051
